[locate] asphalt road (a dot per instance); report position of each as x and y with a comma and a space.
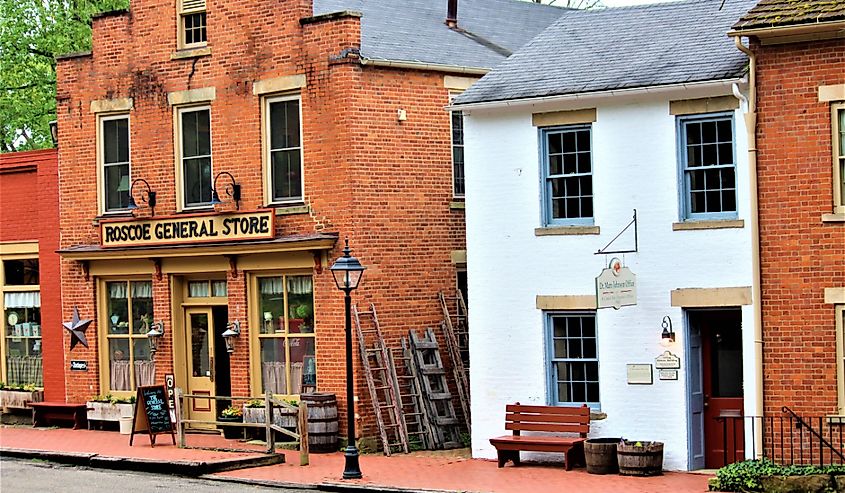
18, 475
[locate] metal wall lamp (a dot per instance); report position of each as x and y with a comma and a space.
668, 335
233, 190
149, 199
232, 332
155, 333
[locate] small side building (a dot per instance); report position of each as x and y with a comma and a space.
603, 114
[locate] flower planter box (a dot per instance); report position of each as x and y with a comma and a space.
106, 411
18, 398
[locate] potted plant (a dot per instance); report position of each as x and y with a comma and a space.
640, 458
110, 408
232, 414
305, 312
16, 396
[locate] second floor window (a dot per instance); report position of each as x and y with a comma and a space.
709, 167
192, 24
839, 158
285, 148
568, 175
114, 135
195, 146
458, 153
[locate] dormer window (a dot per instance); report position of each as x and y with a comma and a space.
192, 24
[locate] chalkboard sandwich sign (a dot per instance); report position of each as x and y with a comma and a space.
152, 414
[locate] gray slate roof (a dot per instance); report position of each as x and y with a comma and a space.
415, 30
620, 48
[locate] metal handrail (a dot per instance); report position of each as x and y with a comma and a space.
800, 422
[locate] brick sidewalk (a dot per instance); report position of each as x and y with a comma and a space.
422, 470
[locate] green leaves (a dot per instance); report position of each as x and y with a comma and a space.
745, 476
32, 33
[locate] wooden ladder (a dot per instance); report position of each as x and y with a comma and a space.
457, 344
414, 413
381, 381
435, 390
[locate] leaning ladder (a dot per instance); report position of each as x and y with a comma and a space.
460, 371
380, 376
414, 414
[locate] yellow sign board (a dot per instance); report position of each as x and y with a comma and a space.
198, 228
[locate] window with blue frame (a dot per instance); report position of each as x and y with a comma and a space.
567, 175
708, 165
573, 364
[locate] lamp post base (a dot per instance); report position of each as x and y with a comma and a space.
351, 470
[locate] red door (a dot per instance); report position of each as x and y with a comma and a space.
721, 354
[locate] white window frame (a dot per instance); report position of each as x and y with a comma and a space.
838, 158
839, 316
552, 395
455, 194
185, 11
547, 208
101, 160
180, 165
268, 151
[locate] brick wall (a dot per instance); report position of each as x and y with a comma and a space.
384, 184
800, 255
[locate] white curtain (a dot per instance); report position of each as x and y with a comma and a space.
296, 378
273, 373
271, 285
30, 299
145, 373
299, 285
142, 290
117, 290
198, 289
120, 375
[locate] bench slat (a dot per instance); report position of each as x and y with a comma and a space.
546, 418
557, 428
561, 410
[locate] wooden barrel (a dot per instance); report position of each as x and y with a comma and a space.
640, 458
600, 455
322, 421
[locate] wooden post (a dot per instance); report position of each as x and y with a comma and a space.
179, 425
268, 423
302, 424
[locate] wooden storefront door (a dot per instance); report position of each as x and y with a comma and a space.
199, 332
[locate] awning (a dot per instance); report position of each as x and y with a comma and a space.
290, 243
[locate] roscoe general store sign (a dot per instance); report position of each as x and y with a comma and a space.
188, 229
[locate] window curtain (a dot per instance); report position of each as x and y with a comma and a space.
142, 290
299, 285
271, 285
198, 289
24, 370
117, 290
145, 373
296, 378
274, 377
30, 299
120, 375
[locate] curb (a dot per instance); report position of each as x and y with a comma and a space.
324, 486
173, 467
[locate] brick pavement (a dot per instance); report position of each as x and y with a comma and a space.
421, 470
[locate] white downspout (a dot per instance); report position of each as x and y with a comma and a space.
756, 290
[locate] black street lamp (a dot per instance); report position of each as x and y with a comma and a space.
347, 272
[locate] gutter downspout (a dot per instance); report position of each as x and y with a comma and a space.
751, 128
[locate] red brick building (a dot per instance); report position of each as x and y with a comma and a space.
310, 124
798, 60
29, 278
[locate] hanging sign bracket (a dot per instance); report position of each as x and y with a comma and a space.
604, 250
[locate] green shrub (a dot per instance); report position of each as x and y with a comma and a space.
745, 476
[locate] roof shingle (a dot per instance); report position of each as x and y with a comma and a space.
779, 13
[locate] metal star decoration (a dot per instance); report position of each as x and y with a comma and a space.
77, 327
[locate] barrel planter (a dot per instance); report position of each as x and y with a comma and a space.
322, 421
600, 455
637, 458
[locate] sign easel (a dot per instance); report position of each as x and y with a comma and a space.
152, 414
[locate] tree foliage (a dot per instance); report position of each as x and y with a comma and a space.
32, 33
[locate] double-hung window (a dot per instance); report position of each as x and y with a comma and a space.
192, 24
573, 364
839, 158
457, 154
284, 147
708, 166
195, 149
129, 316
567, 175
20, 305
114, 148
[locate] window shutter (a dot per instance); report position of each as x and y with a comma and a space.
193, 6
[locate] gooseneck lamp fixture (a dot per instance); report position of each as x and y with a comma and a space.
347, 272
232, 332
233, 190
668, 335
148, 197
155, 333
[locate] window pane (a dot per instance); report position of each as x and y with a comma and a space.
119, 373
711, 185
218, 288
196, 133
197, 181
301, 302
273, 371
116, 141
287, 174
301, 349
117, 307
555, 143
284, 124
457, 128
458, 171
21, 272
117, 186
555, 165
693, 131
23, 342
199, 345
567, 153
198, 289
574, 370
142, 307
195, 30
272, 305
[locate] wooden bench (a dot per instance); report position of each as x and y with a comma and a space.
43, 413
518, 418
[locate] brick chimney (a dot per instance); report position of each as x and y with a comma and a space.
452, 14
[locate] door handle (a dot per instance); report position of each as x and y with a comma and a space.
706, 400
211, 367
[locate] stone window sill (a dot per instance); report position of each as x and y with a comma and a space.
837, 217
112, 215
190, 53
287, 210
457, 205
566, 230
715, 224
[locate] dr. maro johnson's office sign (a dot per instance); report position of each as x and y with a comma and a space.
188, 229
616, 286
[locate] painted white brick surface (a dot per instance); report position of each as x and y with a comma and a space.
634, 166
